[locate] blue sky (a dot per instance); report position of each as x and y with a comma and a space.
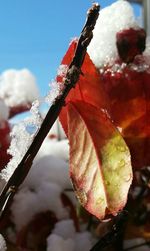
34, 34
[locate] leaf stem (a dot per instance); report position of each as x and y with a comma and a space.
113, 236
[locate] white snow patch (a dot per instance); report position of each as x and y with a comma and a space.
57, 243
62, 70
84, 241
65, 229
22, 135
41, 191
146, 54
56, 148
4, 111
29, 203
65, 238
112, 19
18, 87
48, 169
2, 244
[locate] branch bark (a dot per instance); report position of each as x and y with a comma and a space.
72, 77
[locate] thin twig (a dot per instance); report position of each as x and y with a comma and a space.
72, 77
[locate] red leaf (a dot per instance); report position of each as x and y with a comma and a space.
4, 143
100, 166
14, 110
130, 43
87, 89
33, 235
129, 98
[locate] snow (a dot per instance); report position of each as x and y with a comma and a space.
57, 243
18, 87
56, 89
48, 169
55, 143
65, 229
4, 111
54, 147
147, 50
65, 238
45, 197
35, 107
49, 177
112, 19
134, 242
22, 135
84, 241
146, 55
58, 131
62, 70
45, 182
2, 244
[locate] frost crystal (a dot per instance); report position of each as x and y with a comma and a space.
55, 91
56, 87
62, 70
22, 136
102, 48
35, 107
31, 202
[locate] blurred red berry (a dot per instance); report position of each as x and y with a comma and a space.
130, 43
